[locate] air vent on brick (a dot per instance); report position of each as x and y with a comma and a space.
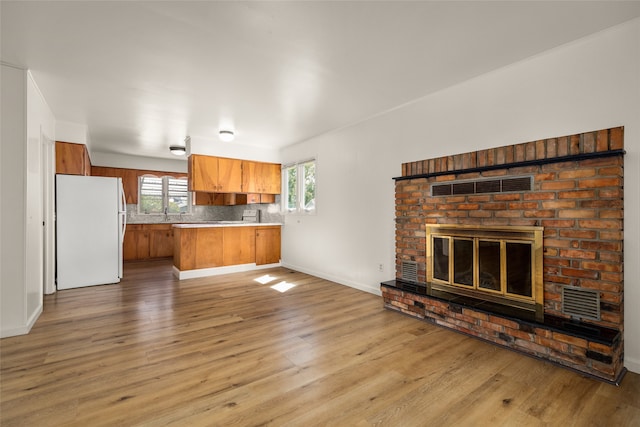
483, 186
581, 303
409, 271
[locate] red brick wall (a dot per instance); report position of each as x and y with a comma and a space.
603, 361
578, 202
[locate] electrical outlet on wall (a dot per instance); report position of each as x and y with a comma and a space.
380, 267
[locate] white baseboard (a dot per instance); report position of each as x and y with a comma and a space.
341, 281
216, 271
633, 365
22, 330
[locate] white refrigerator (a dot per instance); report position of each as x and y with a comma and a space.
90, 225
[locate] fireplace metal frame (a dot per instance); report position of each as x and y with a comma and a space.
525, 234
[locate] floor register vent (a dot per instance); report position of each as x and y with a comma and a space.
581, 303
410, 271
483, 186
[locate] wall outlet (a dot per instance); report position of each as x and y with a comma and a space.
380, 267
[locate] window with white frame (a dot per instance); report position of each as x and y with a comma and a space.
299, 184
165, 195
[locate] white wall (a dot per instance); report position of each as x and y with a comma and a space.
179, 164
13, 155
79, 134
138, 162
215, 147
590, 84
25, 118
71, 132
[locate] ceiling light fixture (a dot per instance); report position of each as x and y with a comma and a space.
178, 150
226, 135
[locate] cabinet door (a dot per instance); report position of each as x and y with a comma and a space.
229, 175
232, 199
215, 174
71, 159
203, 173
204, 198
129, 184
270, 178
218, 199
239, 245
258, 177
160, 243
142, 244
267, 198
249, 182
129, 246
209, 247
267, 245
253, 198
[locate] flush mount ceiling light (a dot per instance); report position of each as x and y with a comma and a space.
226, 135
178, 150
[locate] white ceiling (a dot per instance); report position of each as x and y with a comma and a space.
143, 75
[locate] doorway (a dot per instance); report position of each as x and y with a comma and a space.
48, 212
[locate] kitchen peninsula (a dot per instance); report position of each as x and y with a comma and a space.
221, 247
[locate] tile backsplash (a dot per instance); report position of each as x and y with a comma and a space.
268, 213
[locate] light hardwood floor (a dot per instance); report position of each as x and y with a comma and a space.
231, 351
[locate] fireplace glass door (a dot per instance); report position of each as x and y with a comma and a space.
503, 267
519, 268
441, 260
497, 265
463, 256
489, 268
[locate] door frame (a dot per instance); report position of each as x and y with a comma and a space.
48, 172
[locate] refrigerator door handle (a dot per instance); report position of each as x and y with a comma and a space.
123, 211
124, 226
122, 214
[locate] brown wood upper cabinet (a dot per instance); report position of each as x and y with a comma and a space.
211, 174
259, 177
215, 174
130, 178
72, 159
232, 199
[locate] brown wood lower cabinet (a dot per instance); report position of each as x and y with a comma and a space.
267, 245
160, 243
239, 245
207, 247
147, 241
197, 247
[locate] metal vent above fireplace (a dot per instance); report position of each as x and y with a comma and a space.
409, 271
483, 186
581, 303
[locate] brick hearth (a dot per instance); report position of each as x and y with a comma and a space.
577, 196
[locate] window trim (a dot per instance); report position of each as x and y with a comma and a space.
165, 196
299, 210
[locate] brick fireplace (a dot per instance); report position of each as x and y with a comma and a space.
572, 188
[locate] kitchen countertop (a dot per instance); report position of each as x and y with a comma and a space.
225, 224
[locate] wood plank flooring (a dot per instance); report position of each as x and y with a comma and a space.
230, 351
